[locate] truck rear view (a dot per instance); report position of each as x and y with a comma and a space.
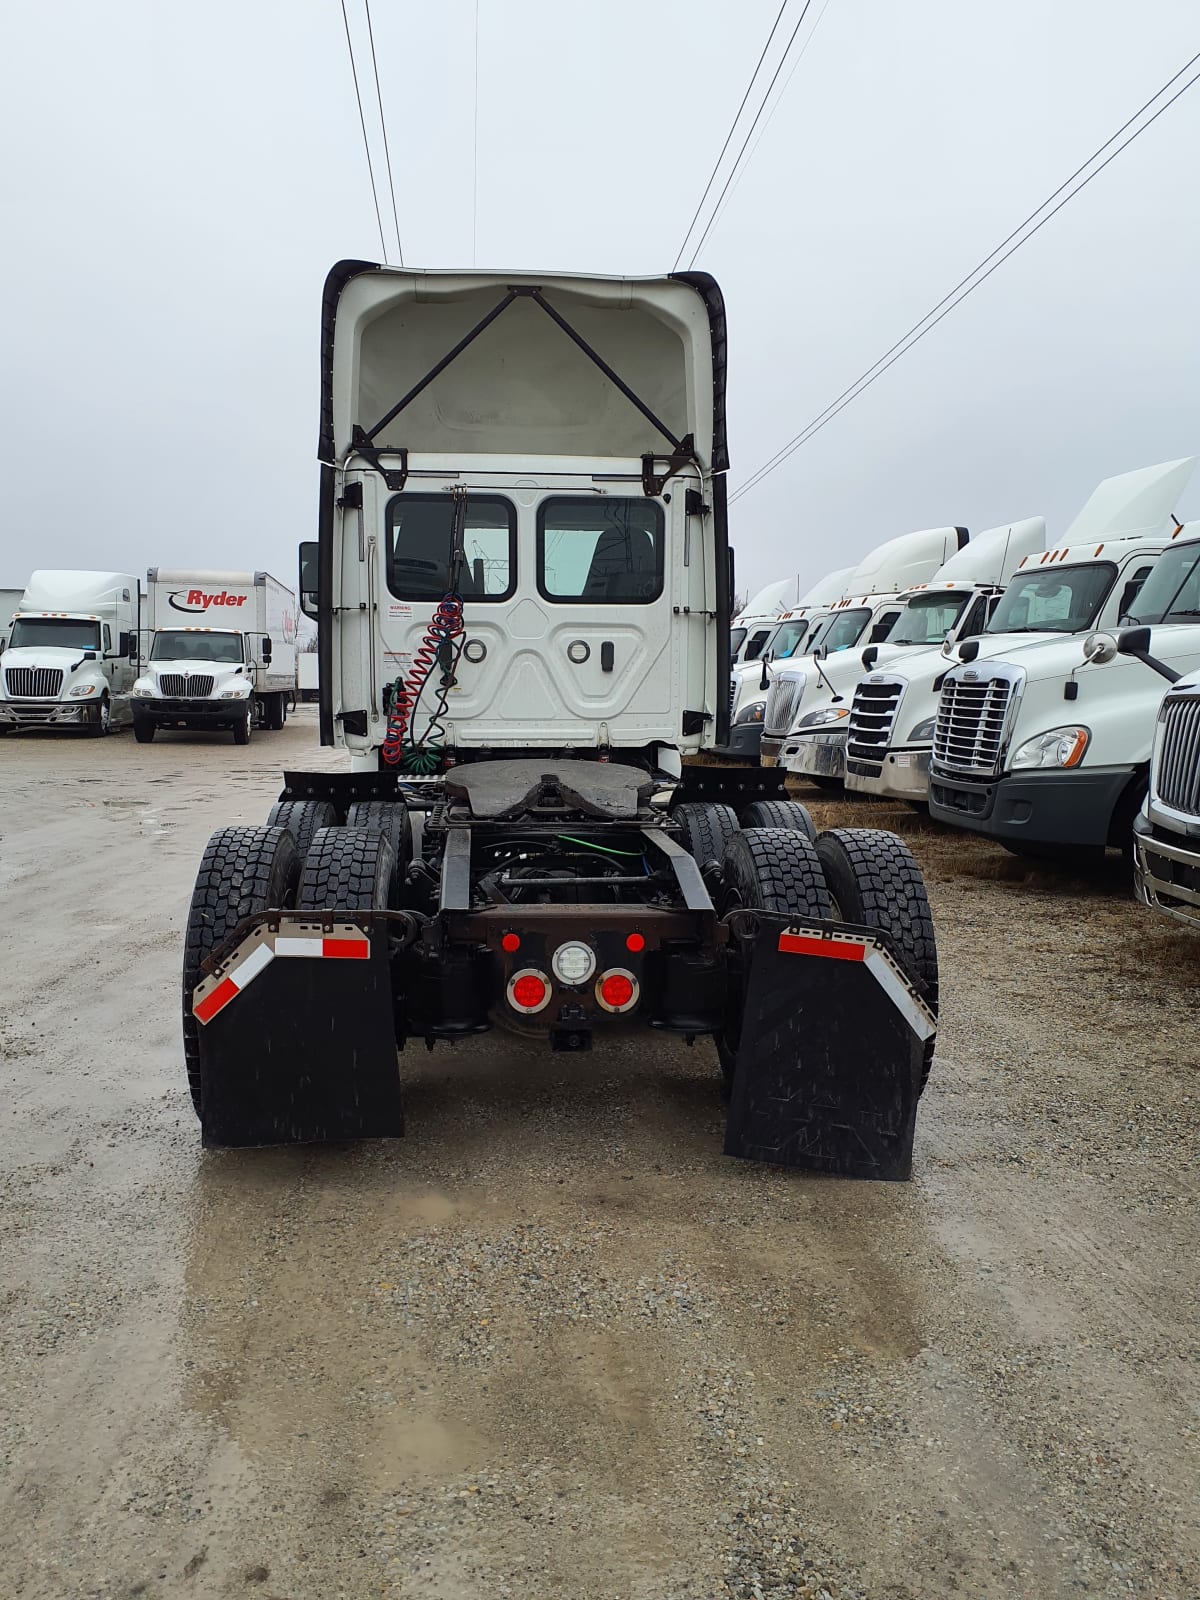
522, 585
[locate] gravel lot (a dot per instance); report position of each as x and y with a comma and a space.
554, 1343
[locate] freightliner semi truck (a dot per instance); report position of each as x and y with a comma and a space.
222, 653
72, 652
1047, 750
522, 588
1086, 582
954, 604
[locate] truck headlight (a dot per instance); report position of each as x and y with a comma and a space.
142, 689
238, 692
751, 713
82, 689
923, 732
822, 718
1060, 747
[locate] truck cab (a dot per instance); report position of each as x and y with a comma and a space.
522, 590
1059, 764
866, 614
72, 652
195, 678
1108, 551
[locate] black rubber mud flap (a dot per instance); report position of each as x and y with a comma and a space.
831, 1055
297, 1035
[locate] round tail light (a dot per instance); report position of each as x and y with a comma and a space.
528, 990
617, 990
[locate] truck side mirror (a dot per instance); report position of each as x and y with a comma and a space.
1136, 642
266, 652
870, 656
968, 650
127, 646
308, 577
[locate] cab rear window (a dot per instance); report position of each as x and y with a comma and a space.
418, 549
601, 551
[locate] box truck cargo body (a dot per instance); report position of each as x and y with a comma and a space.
71, 652
221, 653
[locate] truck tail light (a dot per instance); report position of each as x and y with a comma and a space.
528, 990
617, 990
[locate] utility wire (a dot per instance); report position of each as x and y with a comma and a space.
720, 210
978, 275
387, 154
750, 131
363, 124
712, 177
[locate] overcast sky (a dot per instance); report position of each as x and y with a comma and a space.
177, 179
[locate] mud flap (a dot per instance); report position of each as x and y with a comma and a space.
831, 1055
297, 1037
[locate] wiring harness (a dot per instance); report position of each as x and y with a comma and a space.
442, 645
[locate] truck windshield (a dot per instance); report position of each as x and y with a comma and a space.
172, 644
928, 618
1172, 591
841, 631
1059, 600
53, 633
788, 638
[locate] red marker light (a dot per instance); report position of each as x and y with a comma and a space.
529, 992
616, 991
636, 943
511, 942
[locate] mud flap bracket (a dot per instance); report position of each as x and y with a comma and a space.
297, 1035
830, 1061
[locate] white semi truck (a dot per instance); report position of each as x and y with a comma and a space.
754, 624
222, 653
1107, 552
954, 604
867, 612
72, 652
791, 636
522, 589
1047, 750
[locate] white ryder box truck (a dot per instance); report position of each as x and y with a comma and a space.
72, 652
222, 653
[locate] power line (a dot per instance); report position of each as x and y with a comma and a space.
387, 154
977, 275
750, 131
363, 124
720, 210
717, 164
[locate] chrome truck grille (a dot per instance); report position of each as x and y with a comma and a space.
871, 723
33, 683
782, 700
192, 686
1176, 776
733, 689
971, 722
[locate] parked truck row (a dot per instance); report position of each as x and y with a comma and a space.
1019, 691
184, 649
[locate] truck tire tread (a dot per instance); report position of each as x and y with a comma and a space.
707, 828
389, 817
303, 819
348, 869
780, 814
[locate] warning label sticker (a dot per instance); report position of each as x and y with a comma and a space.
399, 611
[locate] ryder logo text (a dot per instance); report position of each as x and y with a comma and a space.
199, 600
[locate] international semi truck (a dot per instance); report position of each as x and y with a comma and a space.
72, 652
522, 587
221, 654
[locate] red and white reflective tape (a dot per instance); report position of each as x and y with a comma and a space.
346, 942
835, 945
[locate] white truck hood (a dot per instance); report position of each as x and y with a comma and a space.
54, 657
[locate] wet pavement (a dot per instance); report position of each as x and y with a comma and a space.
554, 1343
